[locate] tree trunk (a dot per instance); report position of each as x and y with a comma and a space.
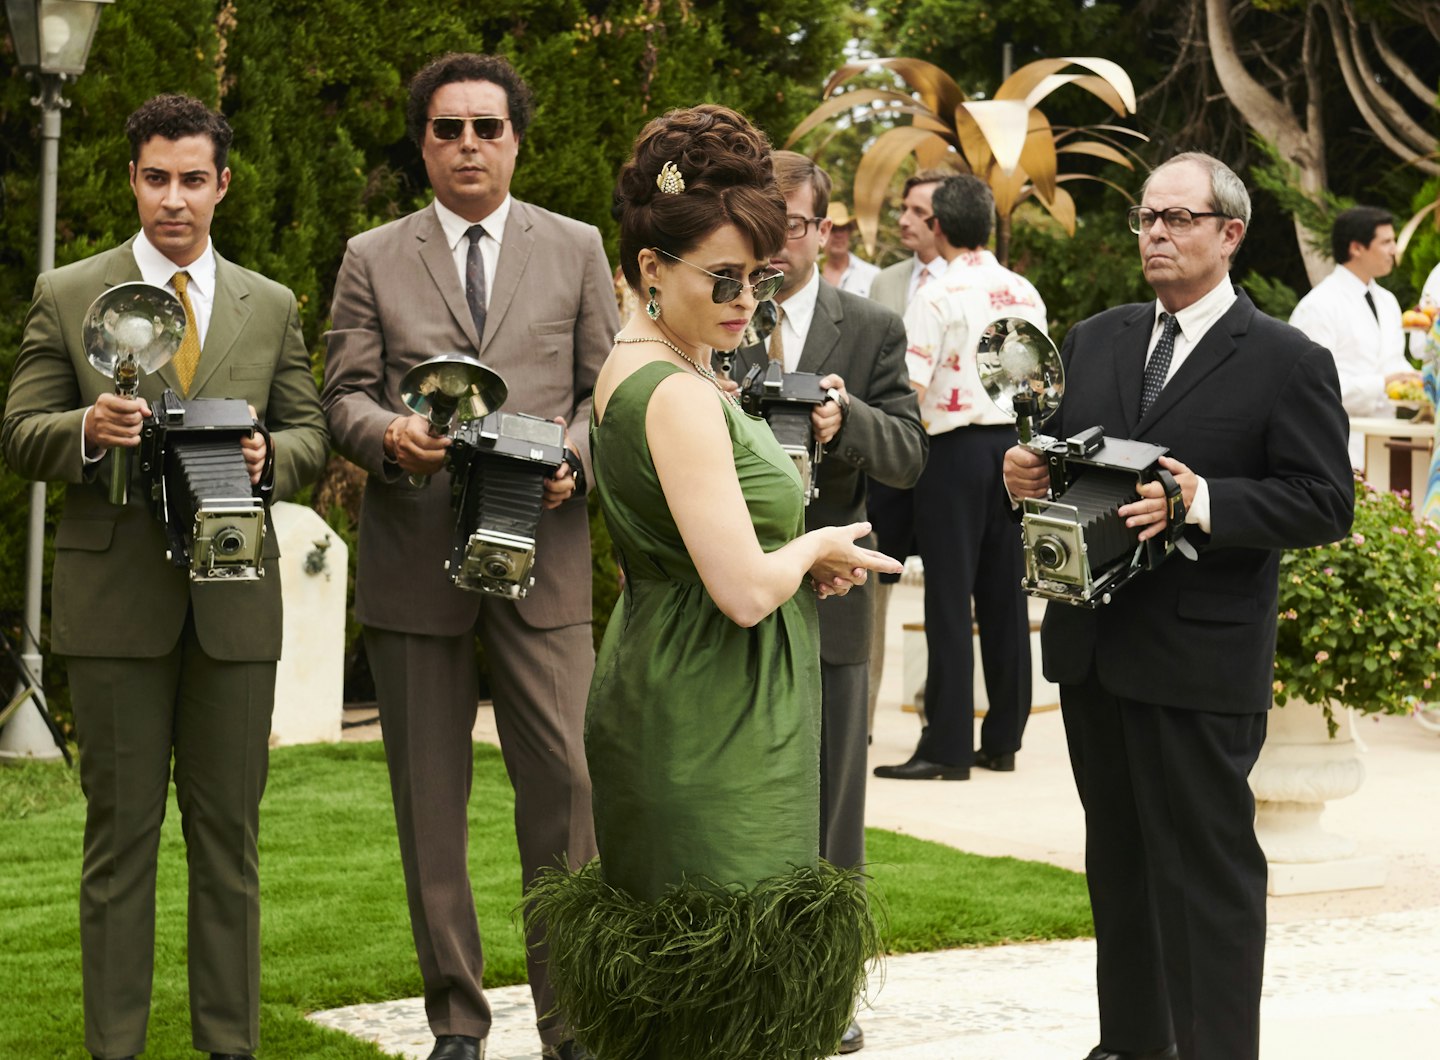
1304, 145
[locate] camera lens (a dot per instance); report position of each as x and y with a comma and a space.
229, 541
1051, 553
497, 565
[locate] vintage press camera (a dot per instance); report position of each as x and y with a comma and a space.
498, 466
1077, 549
191, 462
199, 485
785, 400
498, 463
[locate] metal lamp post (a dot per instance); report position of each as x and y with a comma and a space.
52, 41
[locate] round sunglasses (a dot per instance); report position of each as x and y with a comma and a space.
727, 289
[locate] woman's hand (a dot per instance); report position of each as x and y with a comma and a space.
842, 563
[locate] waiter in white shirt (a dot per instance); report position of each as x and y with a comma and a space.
1356, 319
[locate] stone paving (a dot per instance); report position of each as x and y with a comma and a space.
1037, 1002
1348, 974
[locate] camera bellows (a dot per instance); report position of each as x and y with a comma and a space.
191, 457
1095, 496
498, 466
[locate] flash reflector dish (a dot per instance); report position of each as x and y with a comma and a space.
133, 321
1016, 357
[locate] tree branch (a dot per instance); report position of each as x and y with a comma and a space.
1404, 126
1401, 69
1361, 93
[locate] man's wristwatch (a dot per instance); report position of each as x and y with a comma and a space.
577, 468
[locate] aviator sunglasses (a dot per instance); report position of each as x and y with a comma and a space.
727, 289
486, 126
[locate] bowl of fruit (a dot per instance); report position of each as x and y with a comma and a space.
1408, 397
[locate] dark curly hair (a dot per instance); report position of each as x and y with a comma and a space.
467, 66
729, 179
174, 117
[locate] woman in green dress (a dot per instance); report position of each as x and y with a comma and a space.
709, 927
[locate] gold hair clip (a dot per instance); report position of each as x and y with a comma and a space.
670, 182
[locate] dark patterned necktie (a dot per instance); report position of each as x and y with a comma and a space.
1370, 301
475, 280
1159, 364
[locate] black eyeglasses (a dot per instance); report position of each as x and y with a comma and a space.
486, 126
727, 289
1176, 218
796, 226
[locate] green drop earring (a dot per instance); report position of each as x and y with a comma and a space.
652, 307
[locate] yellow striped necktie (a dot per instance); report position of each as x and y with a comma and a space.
187, 358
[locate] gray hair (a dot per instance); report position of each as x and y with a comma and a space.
1227, 191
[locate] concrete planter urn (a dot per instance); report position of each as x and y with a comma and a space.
1300, 769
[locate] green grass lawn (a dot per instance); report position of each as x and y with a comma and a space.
335, 930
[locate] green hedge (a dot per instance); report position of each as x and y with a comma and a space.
315, 90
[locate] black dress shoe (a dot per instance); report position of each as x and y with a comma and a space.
997, 763
919, 769
566, 1050
458, 1047
853, 1040
1170, 1052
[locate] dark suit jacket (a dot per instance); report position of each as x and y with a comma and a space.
551, 320
864, 344
1254, 410
114, 593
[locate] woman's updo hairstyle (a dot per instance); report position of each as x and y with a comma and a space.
724, 162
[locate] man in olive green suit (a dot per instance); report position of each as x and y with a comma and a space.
160, 665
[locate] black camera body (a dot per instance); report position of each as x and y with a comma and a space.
1078, 550
199, 485
785, 400
498, 465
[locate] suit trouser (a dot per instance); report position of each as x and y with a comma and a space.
971, 548
891, 512
1176, 876
844, 742
428, 692
129, 716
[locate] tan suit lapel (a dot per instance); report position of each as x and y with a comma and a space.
435, 254
229, 313
514, 256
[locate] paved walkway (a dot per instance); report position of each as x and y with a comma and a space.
1349, 974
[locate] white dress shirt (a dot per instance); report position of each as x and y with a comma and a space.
795, 327
455, 227
1194, 321
1366, 349
157, 269
859, 274
922, 273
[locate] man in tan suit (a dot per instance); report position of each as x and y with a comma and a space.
160, 665
529, 293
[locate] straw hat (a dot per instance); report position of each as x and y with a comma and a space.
839, 215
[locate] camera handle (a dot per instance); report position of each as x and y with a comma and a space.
1175, 513
437, 430
266, 486
127, 385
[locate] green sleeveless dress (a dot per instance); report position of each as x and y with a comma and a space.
709, 927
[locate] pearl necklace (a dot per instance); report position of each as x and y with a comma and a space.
704, 369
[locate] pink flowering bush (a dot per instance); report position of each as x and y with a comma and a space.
1360, 619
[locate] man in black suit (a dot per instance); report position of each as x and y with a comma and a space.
1164, 691
858, 347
